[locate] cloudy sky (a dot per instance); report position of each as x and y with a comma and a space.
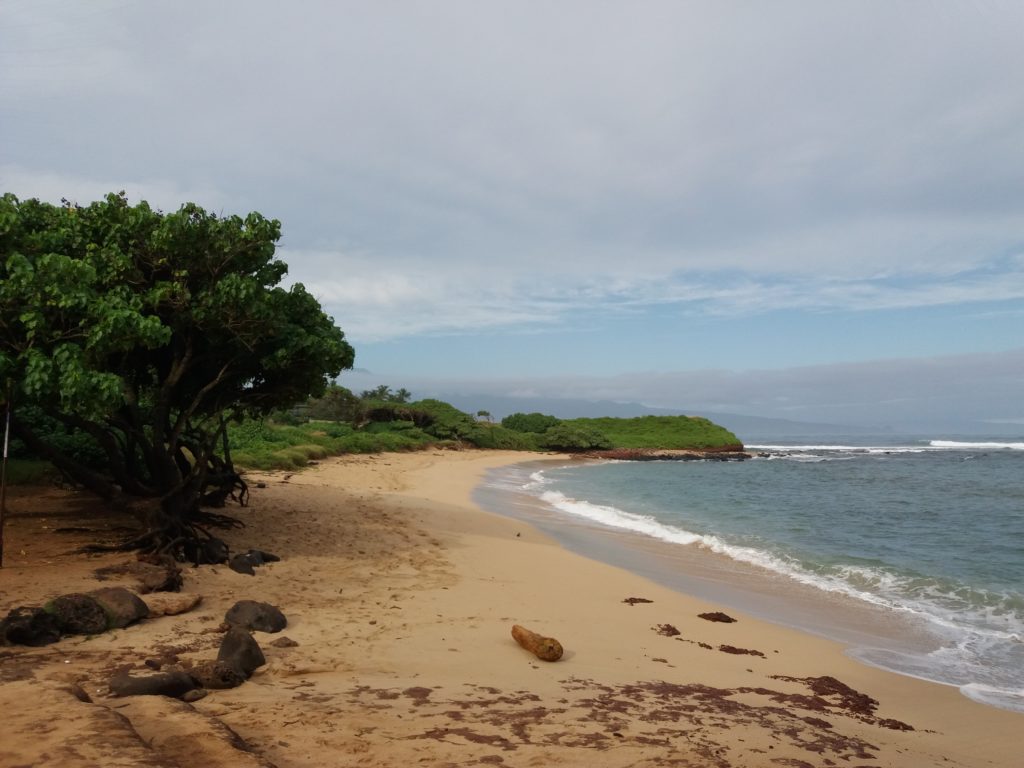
806, 209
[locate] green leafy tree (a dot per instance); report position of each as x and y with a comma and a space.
336, 404
384, 394
530, 422
148, 332
571, 438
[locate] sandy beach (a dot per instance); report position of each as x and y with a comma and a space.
401, 595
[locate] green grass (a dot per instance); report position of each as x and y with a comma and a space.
664, 432
267, 445
30, 472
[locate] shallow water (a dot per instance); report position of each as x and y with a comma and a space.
911, 552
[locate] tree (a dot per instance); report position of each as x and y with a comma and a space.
148, 332
336, 404
571, 438
384, 394
485, 415
530, 422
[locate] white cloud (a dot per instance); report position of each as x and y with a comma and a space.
375, 304
456, 167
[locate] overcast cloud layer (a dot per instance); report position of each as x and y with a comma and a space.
759, 185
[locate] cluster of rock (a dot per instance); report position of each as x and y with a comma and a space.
722, 453
100, 610
115, 607
244, 562
80, 613
238, 657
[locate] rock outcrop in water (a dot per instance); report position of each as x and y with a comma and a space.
723, 453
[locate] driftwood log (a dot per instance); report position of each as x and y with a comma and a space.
544, 648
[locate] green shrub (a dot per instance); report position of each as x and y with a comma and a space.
537, 423
30, 472
337, 404
494, 436
571, 437
665, 432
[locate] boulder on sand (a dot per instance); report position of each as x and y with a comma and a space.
122, 606
173, 683
262, 617
212, 674
30, 626
240, 649
78, 614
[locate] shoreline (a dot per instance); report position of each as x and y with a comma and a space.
863, 628
401, 592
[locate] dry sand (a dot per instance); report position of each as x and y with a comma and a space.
401, 595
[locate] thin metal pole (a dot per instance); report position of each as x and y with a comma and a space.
3, 474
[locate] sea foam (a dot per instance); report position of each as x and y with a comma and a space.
964, 446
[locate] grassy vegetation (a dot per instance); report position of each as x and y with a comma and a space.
30, 472
389, 426
268, 445
664, 432
381, 420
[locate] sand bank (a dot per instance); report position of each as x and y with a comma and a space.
401, 595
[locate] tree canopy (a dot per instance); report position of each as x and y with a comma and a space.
530, 422
148, 332
384, 394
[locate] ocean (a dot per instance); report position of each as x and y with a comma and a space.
910, 551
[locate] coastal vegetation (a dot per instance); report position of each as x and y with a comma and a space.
662, 432
130, 339
342, 422
145, 355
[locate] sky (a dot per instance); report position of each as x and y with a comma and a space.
798, 209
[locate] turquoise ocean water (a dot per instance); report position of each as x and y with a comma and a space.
924, 535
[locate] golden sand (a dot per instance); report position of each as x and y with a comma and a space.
401, 595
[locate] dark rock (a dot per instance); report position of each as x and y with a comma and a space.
206, 551
667, 630
240, 649
284, 642
29, 626
122, 606
721, 453
262, 617
259, 557
242, 564
194, 695
78, 614
174, 683
216, 675
79, 693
